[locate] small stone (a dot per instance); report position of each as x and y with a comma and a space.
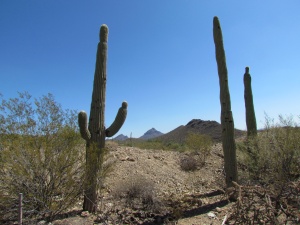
204, 201
84, 214
130, 159
211, 215
61, 222
218, 209
109, 205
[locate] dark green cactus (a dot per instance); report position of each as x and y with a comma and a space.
94, 132
250, 113
227, 123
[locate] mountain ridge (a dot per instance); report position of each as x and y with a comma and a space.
209, 127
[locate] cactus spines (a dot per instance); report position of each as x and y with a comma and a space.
94, 132
250, 113
227, 123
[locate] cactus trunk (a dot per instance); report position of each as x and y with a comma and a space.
227, 123
94, 132
250, 113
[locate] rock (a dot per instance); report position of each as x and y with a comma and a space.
110, 205
211, 215
61, 222
130, 159
84, 214
218, 209
127, 158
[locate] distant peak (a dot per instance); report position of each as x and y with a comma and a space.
121, 137
152, 130
152, 133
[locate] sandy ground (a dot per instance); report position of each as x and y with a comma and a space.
186, 197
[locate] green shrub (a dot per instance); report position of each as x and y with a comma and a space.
199, 144
155, 144
274, 156
41, 156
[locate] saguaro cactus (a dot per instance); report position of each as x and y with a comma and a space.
250, 113
94, 132
227, 124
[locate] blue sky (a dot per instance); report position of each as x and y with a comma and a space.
161, 57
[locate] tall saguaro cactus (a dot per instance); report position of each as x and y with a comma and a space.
227, 124
94, 132
250, 113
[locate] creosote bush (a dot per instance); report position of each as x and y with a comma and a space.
188, 163
273, 157
200, 145
137, 192
155, 144
40, 155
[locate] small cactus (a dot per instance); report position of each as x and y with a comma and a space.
227, 123
94, 132
250, 113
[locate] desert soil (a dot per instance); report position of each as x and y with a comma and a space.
182, 197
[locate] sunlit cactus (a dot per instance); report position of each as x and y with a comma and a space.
94, 132
250, 113
227, 123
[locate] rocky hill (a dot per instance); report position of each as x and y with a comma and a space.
152, 133
208, 127
121, 137
177, 196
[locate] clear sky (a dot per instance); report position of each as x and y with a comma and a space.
161, 57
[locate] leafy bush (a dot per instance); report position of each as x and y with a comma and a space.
273, 157
40, 155
200, 144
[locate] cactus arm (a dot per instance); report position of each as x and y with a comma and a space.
118, 122
83, 126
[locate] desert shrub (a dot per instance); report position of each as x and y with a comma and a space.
188, 163
150, 144
258, 205
274, 155
111, 144
156, 144
199, 144
137, 192
41, 156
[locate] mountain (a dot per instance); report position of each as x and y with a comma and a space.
208, 127
121, 137
152, 133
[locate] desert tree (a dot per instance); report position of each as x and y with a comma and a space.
40, 155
